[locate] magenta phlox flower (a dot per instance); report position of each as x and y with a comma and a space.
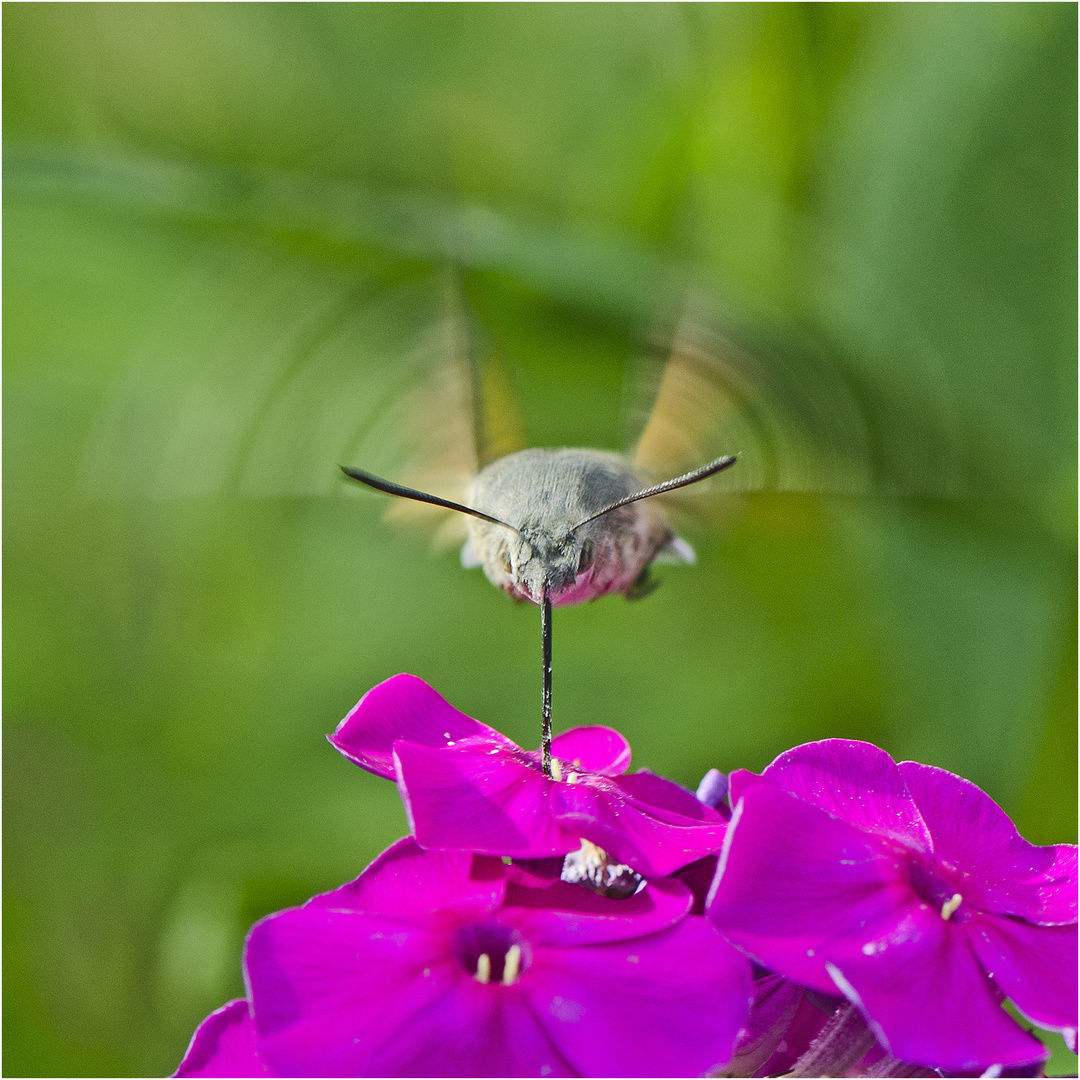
910, 891
224, 1045
467, 787
446, 964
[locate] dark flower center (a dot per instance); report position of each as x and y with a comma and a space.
491, 952
936, 889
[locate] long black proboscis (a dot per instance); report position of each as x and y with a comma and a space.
692, 477
379, 484
545, 730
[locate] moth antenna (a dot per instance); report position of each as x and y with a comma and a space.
379, 484
700, 473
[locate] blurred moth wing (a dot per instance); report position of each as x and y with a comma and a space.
798, 421
691, 407
699, 395
456, 415
792, 417
434, 424
262, 371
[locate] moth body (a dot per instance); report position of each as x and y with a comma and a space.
546, 495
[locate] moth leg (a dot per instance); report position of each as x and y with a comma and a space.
643, 585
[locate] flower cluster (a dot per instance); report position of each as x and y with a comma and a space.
838, 915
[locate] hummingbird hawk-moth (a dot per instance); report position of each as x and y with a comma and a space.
277, 379
561, 526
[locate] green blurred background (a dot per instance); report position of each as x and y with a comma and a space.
199, 196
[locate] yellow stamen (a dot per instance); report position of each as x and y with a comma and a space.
511, 965
556, 769
483, 968
950, 906
591, 852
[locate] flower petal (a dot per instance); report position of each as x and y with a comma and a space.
666, 798
670, 1004
404, 707
486, 799
566, 915
224, 1045
1034, 965
650, 836
854, 781
593, 749
406, 881
1006, 874
793, 880
481, 799
329, 988
536, 873
738, 781
473, 1030
698, 878
928, 1001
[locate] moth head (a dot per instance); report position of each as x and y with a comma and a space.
528, 564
